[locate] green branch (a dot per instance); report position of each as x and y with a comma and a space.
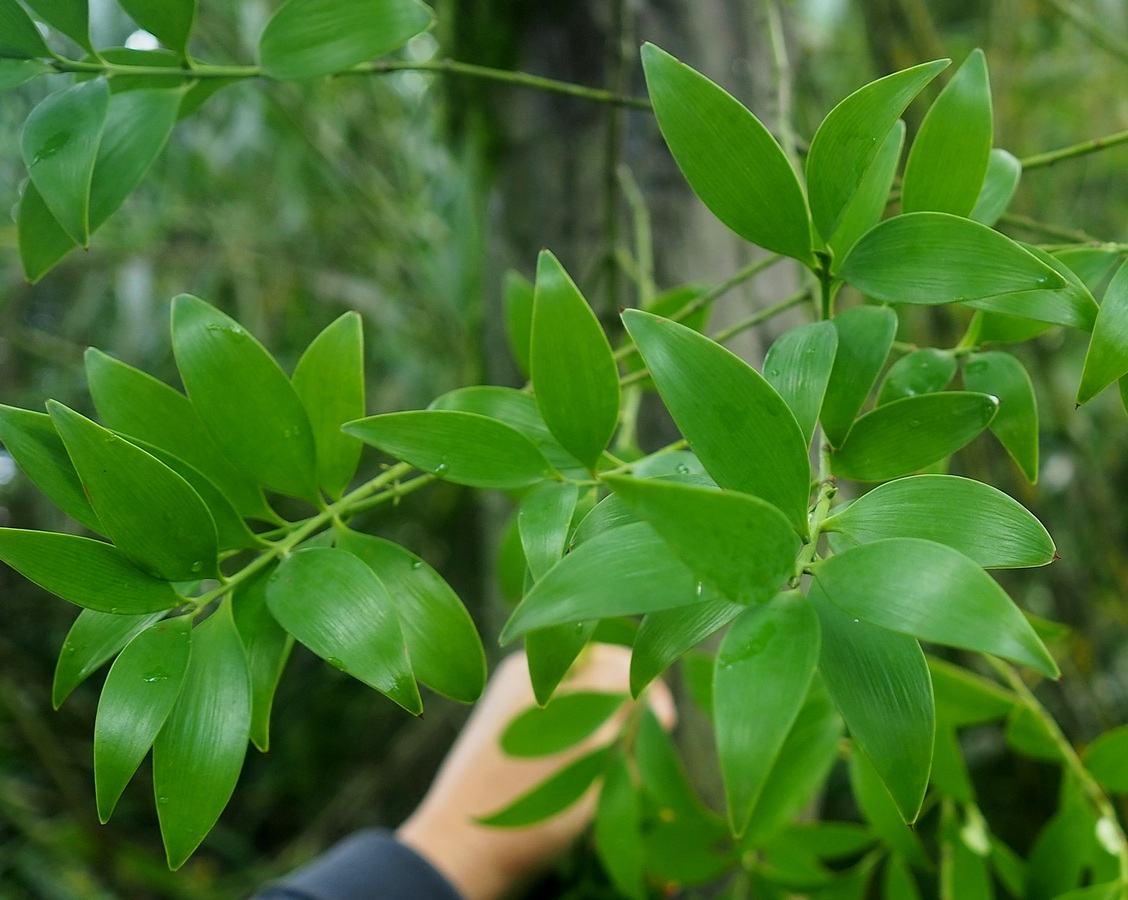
1041, 160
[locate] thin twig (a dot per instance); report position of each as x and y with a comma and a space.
1096, 30
1045, 228
1041, 160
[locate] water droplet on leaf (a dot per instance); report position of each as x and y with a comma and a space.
683, 469
417, 564
337, 663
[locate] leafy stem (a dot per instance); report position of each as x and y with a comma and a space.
827, 491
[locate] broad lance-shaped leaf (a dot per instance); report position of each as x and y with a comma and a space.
1107, 357
462, 447
151, 514
865, 334
353, 626
267, 646
552, 795
71, 17
1105, 759
880, 683
798, 367
983, 523
665, 635
739, 427
923, 371
851, 137
728, 157
617, 830
329, 379
575, 378
1016, 423
244, 398
948, 159
14, 72
19, 38
738, 544
881, 812
1092, 265
867, 207
552, 651
964, 698
93, 639
169, 21
763, 669
137, 697
307, 38
519, 298
1004, 171
934, 593
199, 752
444, 646
85, 572
543, 521
563, 723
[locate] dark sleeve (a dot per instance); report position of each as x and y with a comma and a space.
367, 865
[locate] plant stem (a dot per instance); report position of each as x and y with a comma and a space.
827, 490
1097, 31
1041, 160
781, 66
1053, 231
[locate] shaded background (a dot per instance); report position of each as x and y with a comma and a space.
407, 197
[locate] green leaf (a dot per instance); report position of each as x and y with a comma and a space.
1004, 172
739, 427
244, 398
462, 447
199, 752
563, 723
442, 642
169, 21
551, 653
923, 371
518, 301
983, 523
574, 374
85, 572
867, 207
763, 670
880, 683
948, 159
911, 433
963, 698
898, 880
543, 521
308, 38
1092, 265
353, 624
1104, 758
624, 572
553, 795
329, 379
138, 695
851, 138
1027, 732
31, 440
14, 72
661, 771
1107, 357
881, 812
152, 515
798, 367
71, 17
950, 777
19, 38
267, 646
934, 593
59, 144
935, 257
1000, 328
665, 635
93, 639
728, 157
139, 406
865, 334
711, 531
618, 830
1016, 423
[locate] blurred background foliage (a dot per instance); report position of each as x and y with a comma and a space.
405, 196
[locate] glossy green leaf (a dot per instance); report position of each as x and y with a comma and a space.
980, 521
763, 670
948, 159
14, 72
151, 514
243, 398
950, 777
563, 723
169, 21
739, 427
881, 812
329, 379
867, 206
994, 327
934, 593
627, 571
923, 371
354, 625
865, 334
199, 752
1092, 265
963, 698
19, 38
1004, 171
267, 646
308, 38
935, 257
617, 830
518, 300
798, 367
880, 683
661, 771
1107, 356
85, 572
32, 441
462, 447
552, 651
611, 512
964, 850
909, 434
93, 639
852, 137
575, 377
1104, 758
711, 532
71, 17
138, 695
59, 144
553, 795
139, 406
543, 521
1027, 732
665, 635
446, 652
728, 157
1016, 423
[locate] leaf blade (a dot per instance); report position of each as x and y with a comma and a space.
798, 367
1016, 423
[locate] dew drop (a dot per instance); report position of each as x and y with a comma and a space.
442, 467
69, 648
699, 589
579, 628
162, 800
856, 621
214, 327
683, 469
774, 373
114, 610
417, 564
337, 663
197, 566
154, 678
